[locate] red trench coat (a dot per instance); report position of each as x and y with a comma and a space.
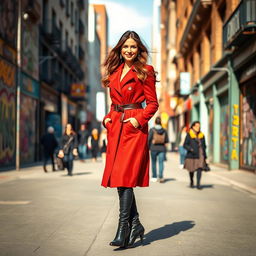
127, 159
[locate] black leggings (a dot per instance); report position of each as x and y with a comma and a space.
198, 176
69, 166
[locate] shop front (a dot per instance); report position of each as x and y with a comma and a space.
50, 114
248, 118
29, 119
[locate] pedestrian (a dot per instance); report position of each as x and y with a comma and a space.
93, 144
49, 143
103, 143
82, 142
180, 142
68, 148
196, 153
131, 81
157, 140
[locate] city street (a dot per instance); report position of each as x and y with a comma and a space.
52, 214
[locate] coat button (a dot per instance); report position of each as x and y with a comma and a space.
129, 88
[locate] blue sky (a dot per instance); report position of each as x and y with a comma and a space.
128, 15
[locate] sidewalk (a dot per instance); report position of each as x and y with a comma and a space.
58, 215
238, 178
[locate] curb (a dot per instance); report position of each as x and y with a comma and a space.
235, 183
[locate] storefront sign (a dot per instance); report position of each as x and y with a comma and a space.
29, 86
184, 83
78, 90
50, 100
233, 26
235, 132
243, 19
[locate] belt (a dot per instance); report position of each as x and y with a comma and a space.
122, 108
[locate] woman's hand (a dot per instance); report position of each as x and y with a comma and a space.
75, 153
107, 120
133, 121
61, 154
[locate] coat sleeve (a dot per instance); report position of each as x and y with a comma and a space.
151, 98
166, 140
187, 145
108, 115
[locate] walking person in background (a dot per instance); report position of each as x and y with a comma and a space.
180, 142
103, 143
196, 153
82, 142
93, 144
68, 148
157, 139
131, 81
49, 143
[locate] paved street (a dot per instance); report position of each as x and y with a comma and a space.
55, 215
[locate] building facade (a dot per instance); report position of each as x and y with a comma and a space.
215, 49
43, 73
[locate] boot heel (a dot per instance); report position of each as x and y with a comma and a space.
142, 238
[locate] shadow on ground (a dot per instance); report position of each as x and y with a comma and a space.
77, 174
167, 180
167, 231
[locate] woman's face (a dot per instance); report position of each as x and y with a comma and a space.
69, 128
196, 127
129, 50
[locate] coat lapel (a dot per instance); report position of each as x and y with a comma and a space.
131, 75
115, 79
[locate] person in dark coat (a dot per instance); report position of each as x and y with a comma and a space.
68, 148
196, 153
49, 143
83, 135
157, 140
93, 144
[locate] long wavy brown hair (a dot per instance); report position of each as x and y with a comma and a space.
114, 59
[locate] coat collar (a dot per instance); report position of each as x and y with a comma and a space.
193, 135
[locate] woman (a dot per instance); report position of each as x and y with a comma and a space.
196, 153
180, 142
157, 139
93, 144
131, 81
68, 148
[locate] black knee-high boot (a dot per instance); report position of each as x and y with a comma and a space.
123, 230
137, 230
191, 175
198, 176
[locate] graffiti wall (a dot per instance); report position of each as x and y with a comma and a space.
30, 50
27, 129
248, 131
7, 113
8, 21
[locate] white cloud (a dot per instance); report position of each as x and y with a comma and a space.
122, 18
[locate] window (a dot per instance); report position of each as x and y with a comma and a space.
66, 39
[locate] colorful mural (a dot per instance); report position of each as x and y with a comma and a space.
27, 129
248, 114
7, 113
8, 21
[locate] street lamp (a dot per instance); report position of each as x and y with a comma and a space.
25, 16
